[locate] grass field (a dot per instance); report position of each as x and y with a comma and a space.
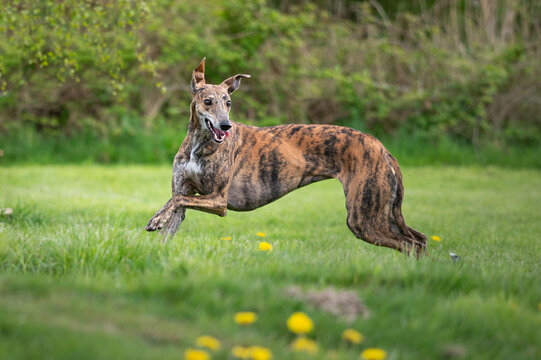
80, 279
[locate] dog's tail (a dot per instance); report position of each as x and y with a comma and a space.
171, 226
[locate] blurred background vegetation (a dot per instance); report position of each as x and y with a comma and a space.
107, 81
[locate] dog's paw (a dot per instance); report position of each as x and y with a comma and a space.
156, 223
161, 217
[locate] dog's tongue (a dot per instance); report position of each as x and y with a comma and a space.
220, 134
223, 133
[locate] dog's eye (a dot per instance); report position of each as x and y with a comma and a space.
208, 102
228, 103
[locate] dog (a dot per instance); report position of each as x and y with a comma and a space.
223, 164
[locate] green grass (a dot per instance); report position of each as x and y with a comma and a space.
79, 277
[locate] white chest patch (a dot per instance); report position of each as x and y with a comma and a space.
193, 169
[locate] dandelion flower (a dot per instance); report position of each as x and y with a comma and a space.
261, 234
226, 238
208, 342
193, 354
245, 317
373, 354
300, 323
436, 238
265, 246
353, 336
241, 352
304, 344
260, 353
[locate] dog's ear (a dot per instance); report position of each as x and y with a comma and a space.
233, 83
198, 76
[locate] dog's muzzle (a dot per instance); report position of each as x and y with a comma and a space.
218, 135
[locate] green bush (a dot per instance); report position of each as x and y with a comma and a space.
466, 70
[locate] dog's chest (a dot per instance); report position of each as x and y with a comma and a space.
193, 169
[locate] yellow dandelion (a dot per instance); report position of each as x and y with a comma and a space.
193, 354
265, 246
208, 342
261, 234
303, 344
245, 317
260, 353
436, 238
300, 323
353, 336
241, 352
373, 354
226, 238
539, 306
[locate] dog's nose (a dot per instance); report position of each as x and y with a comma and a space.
225, 125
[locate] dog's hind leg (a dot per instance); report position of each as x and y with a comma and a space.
373, 202
419, 239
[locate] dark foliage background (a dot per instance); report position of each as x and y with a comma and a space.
98, 79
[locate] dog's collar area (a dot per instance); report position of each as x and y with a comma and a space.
217, 135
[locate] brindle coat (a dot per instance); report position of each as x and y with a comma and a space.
227, 165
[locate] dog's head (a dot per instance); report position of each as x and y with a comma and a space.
213, 102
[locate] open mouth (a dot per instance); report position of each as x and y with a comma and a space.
217, 134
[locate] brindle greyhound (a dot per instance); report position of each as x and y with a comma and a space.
227, 165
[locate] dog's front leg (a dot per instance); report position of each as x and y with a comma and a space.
179, 187
168, 220
213, 203
161, 217
172, 225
